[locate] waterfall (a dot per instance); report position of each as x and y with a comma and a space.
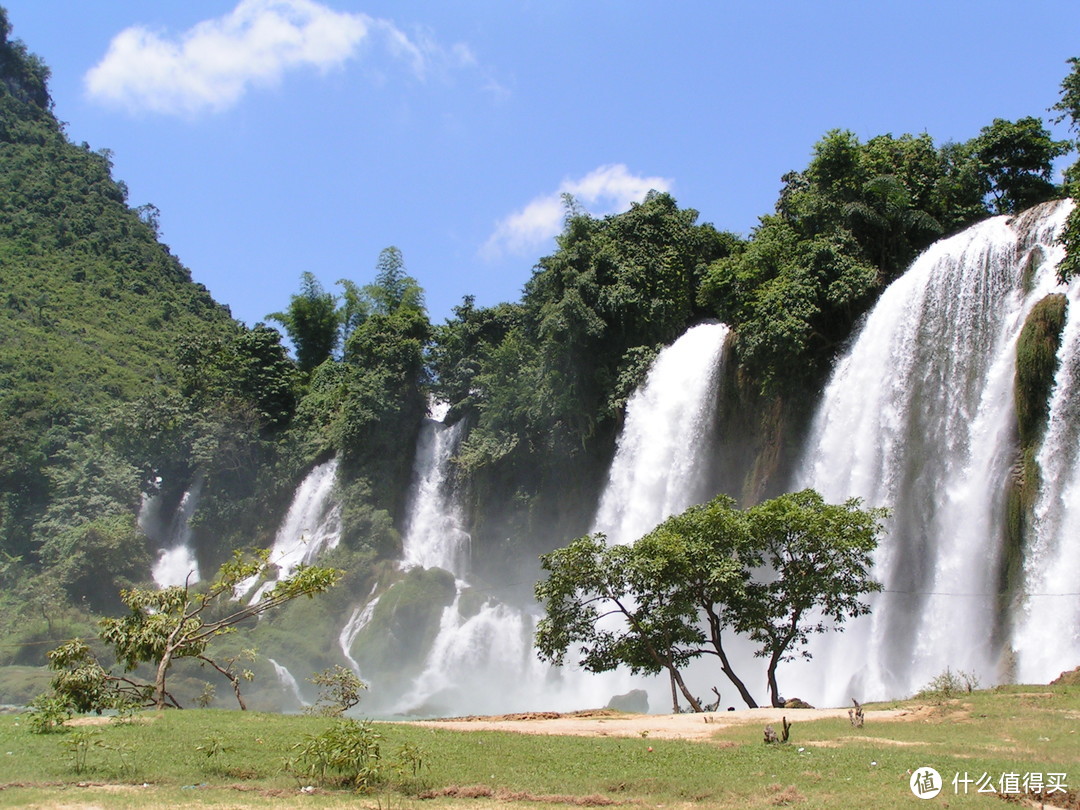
288, 682
360, 618
918, 416
312, 525
1046, 636
482, 657
433, 535
660, 461
176, 563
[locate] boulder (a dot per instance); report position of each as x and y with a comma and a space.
636, 701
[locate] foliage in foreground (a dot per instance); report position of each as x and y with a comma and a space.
777, 573
169, 624
349, 754
1008, 729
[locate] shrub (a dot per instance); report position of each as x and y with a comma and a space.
339, 691
948, 684
347, 754
48, 713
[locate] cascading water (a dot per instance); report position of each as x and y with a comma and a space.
360, 618
433, 535
288, 683
312, 525
663, 450
482, 659
176, 563
1046, 636
919, 416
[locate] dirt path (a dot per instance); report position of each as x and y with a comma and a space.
605, 723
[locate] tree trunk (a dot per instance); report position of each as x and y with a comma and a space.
725, 665
774, 690
674, 694
159, 682
693, 701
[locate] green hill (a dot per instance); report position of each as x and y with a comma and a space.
92, 306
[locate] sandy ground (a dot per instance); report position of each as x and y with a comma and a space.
604, 723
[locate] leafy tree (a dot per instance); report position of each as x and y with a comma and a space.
177, 622
339, 691
311, 322
620, 607
394, 289
392, 292
355, 308
1016, 158
462, 348
844, 227
656, 591
777, 573
819, 557
1068, 107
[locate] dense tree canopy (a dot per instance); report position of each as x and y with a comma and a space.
312, 322
777, 573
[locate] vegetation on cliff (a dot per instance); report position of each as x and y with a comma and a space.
121, 379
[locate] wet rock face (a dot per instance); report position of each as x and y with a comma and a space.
635, 701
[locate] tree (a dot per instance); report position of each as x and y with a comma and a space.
311, 322
819, 558
177, 622
641, 605
1069, 108
622, 606
394, 290
777, 573
1016, 159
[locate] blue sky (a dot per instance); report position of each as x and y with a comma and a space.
283, 136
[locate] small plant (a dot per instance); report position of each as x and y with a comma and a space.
339, 691
123, 751
47, 713
126, 709
346, 754
409, 762
78, 746
206, 697
948, 684
213, 747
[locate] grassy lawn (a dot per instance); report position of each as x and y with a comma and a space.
215, 758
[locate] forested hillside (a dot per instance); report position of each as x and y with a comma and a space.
121, 378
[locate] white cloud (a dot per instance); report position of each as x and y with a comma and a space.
209, 67
605, 190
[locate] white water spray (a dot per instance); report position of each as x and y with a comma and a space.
434, 534
360, 618
312, 525
1046, 635
660, 462
484, 661
176, 563
288, 682
918, 416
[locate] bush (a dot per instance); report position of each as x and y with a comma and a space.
47, 713
948, 684
349, 754
339, 691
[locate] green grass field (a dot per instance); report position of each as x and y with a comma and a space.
228, 759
